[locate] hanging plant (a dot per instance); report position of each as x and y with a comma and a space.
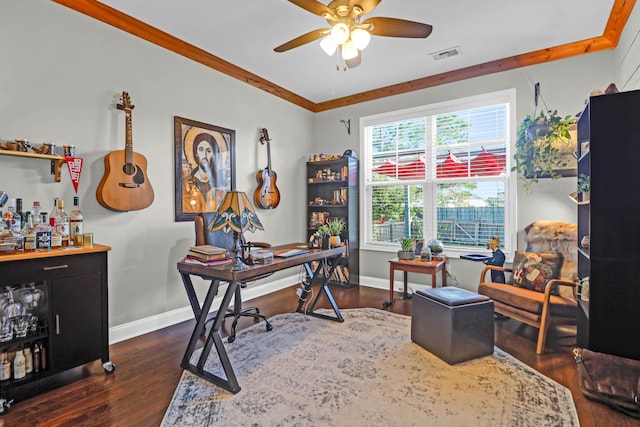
538, 144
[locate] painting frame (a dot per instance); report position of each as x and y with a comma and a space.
200, 187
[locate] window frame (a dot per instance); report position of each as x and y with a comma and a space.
510, 179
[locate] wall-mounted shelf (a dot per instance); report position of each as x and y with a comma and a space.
56, 161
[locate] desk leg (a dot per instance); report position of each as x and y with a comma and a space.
390, 301
433, 279
214, 337
319, 277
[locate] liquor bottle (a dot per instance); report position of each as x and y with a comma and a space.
19, 365
7, 235
5, 367
62, 222
54, 209
56, 238
36, 358
35, 212
29, 235
43, 233
16, 220
28, 360
76, 223
19, 211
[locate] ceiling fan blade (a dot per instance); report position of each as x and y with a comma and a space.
353, 63
366, 5
303, 39
392, 27
313, 6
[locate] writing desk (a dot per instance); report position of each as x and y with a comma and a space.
416, 266
218, 275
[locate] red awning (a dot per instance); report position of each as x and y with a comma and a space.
451, 168
487, 164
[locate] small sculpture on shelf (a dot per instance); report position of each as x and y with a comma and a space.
496, 259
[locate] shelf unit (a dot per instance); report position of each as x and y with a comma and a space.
608, 152
332, 192
56, 161
72, 312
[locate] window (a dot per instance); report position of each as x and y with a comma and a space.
440, 171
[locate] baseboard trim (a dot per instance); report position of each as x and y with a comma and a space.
150, 324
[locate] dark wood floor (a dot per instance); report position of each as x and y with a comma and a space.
148, 370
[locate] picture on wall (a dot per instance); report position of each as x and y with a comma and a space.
204, 167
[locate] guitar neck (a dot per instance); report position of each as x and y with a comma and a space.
269, 156
128, 149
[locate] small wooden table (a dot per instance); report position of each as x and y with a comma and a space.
416, 266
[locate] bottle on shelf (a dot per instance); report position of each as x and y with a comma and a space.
76, 223
19, 368
28, 360
16, 220
62, 223
54, 209
43, 233
8, 236
56, 237
36, 358
5, 367
19, 211
35, 212
29, 235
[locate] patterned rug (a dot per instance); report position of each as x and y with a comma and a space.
364, 372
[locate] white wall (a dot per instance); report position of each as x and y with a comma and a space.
60, 76
627, 54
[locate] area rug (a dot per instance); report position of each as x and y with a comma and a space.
364, 372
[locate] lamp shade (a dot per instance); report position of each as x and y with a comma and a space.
340, 33
360, 38
328, 45
349, 50
235, 213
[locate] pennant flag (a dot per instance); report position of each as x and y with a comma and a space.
75, 167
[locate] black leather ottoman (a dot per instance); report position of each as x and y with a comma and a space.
454, 324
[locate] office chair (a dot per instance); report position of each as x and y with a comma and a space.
225, 240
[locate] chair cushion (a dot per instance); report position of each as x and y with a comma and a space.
533, 270
527, 300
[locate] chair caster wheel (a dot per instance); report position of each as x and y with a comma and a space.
269, 327
231, 339
109, 367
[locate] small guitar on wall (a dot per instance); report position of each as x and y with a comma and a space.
125, 185
267, 195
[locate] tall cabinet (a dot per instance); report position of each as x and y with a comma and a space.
332, 192
609, 257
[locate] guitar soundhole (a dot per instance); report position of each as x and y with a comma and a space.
131, 169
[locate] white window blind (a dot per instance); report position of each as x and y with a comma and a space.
439, 171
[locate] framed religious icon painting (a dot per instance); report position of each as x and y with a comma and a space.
204, 166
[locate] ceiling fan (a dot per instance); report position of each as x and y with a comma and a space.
348, 30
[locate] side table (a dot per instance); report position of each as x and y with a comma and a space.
416, 266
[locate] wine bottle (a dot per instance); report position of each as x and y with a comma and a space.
76, 223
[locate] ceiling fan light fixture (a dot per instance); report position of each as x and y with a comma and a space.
340, 33
349, 50
360, 38
328, 45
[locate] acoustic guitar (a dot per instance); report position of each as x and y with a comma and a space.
267, 195
125, 185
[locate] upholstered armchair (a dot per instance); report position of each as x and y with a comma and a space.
541, 290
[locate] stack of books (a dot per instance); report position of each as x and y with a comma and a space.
207, 255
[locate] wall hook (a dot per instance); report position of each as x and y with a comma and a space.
347, 124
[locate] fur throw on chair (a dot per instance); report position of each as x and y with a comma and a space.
552, 237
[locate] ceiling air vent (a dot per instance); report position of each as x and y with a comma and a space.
447, 53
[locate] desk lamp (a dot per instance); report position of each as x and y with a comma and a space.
235, 213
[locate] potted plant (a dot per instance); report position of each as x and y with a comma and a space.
584, 185
406, 249
335, 226
323, 232
537, 151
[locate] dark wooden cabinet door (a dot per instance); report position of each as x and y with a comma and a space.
76, 320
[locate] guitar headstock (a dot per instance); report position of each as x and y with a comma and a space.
264, 135
125, 102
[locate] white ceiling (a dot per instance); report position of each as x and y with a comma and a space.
244, 33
